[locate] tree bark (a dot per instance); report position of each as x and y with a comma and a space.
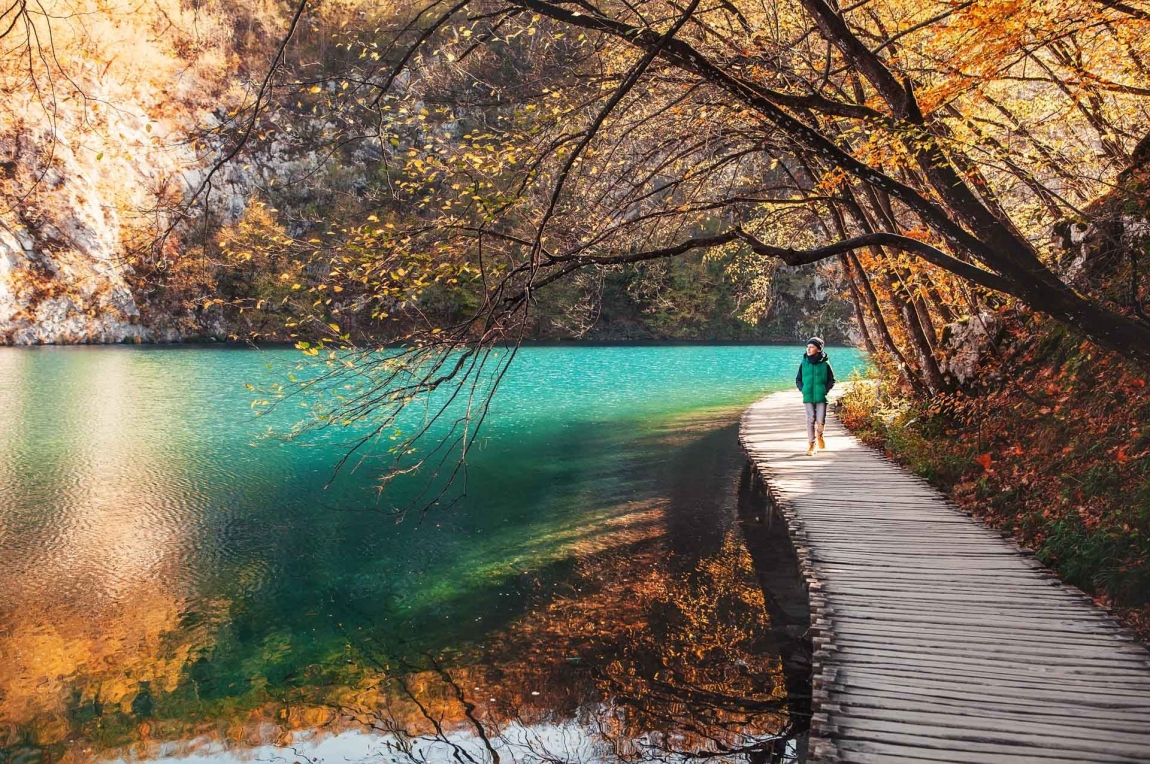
871, 299
918, 340
921, 310
857, 301
896, 282
880, 323
944, 311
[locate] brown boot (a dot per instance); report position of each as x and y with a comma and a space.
811, 450
822, 443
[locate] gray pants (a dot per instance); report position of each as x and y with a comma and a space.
816, 417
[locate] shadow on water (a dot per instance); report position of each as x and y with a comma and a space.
668, 648
784, 596
684, 645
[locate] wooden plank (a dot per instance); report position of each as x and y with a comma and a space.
1084, 659
974, 691
961, 586
1003, 605
962, 705
978, 636
1115, 744
1023, 577
875, 752
893, 540
942, 597
910, 562
992, 748
991, 671
1068, 718
1017, 621
986, 673
886, 757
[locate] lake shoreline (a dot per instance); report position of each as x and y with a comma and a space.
544, 343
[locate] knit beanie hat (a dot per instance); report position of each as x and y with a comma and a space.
816, 341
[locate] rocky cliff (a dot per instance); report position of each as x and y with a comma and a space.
61, 246
93, 146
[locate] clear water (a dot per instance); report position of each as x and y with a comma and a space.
174, 584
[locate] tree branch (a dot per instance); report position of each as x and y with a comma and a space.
791, 257
931, 254
686, 57
1129, 10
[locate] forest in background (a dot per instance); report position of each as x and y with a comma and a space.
967, 179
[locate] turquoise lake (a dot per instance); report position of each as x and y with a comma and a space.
177, 584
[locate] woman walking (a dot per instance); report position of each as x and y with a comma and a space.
814, 380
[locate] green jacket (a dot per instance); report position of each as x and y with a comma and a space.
815, 378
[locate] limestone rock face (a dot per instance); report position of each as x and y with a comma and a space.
94, 141
964, 342
60, 276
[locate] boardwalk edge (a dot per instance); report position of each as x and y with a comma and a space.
821, 748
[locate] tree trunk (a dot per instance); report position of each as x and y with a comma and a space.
872, 303
906, 307
925, 320
857, 301
883, 328
926, 360
1112, 331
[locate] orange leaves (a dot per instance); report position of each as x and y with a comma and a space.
831, 182
983, 461
920, 233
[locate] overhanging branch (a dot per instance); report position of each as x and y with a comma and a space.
927, 252
680, 54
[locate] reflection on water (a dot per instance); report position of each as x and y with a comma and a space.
170, 590
93, 590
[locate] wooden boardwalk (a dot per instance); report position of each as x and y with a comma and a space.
937, 640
